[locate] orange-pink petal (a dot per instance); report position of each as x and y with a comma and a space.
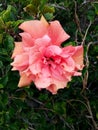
24, 80
44, 21
18, 49
35, 28
27, 40
57, 33
56, 85
20, 62
78, 57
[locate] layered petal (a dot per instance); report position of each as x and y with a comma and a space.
78, 57
35, 28
27, 40
52, 50
56, 85
43, 20
68, 65
42, 42
21, 62
56, 33
18, 49
68, 51
24, 80
41, 82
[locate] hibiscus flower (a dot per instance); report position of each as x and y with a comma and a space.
39, 58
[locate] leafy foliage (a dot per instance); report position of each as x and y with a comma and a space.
73, 108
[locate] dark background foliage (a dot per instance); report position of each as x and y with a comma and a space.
76, 106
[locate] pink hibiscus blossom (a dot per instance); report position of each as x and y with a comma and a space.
40, 59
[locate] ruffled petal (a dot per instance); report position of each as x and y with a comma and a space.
42, 83
18, 49
24, 80
78, 57
56, 32
52, 50
68, 65
20, 62
42, 42
56, 85
43, 20
27, 40
35, 28
35, 68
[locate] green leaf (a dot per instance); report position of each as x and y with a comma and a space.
1, 38
91, 15
95, 5
1, 86
49, 16
31, 9
48, 9
36, 3
3, 51
15, 24
1, 119
4, 80
97, 115
1, 64
60, 108
4, 98
43, 2
9, 14
2, 25
8, 43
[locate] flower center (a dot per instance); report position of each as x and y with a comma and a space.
47, 60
